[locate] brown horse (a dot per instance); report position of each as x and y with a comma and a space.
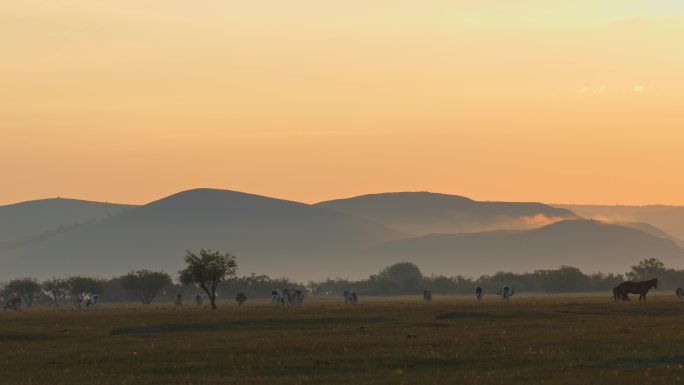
624, 289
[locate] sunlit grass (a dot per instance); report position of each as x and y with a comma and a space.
533, 339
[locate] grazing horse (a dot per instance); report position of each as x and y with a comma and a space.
680, 293
12, 304
240, 298
505, 293
179, 300
478, 294
198, 299
624, 289
427, 296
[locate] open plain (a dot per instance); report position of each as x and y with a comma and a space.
549, 339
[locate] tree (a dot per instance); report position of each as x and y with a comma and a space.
144, 284
26, 288
647, 269
55, 288
208, 270
405, 275
79, 287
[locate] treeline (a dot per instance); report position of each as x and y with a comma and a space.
406, 278
146, 286
142, 286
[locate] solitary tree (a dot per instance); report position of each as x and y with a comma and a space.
26, 288
55, 288
144, 284
79, 287
208, 270
406, 275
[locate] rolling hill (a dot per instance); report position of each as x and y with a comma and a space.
421, 213
347, 238
35, 218
589, 245
667, 218
268, 235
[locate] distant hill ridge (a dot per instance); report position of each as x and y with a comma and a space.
352, 237
424, 212
33, 218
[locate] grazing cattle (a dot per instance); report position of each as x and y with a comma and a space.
680, 293
296, 297
92, 301
277, 297
505, 293
240, 298
347, 297
478, 294
179, 300
353, 298
624, 289
292, 297
198, 299
350, 297
427, 296
12, 304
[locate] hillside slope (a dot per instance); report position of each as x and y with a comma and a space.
421, 213
590, 245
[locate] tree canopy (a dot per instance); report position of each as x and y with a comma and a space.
144, 284
208, 270
79, 286
55, 288
26, 288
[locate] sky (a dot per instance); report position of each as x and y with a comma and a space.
554, 101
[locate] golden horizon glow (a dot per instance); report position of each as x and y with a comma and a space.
129, 101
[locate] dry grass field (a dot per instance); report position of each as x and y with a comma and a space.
533, 339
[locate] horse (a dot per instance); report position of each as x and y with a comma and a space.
198, 299
641, 288
240, 298
427, 296
478, 294
179, 300
680, 293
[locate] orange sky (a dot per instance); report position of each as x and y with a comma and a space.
131, 100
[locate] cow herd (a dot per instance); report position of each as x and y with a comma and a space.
295, 297
287, 297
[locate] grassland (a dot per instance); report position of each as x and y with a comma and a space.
533, 339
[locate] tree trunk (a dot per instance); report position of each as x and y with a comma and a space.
213, 301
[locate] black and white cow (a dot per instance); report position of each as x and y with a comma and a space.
478, 294
506, 293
